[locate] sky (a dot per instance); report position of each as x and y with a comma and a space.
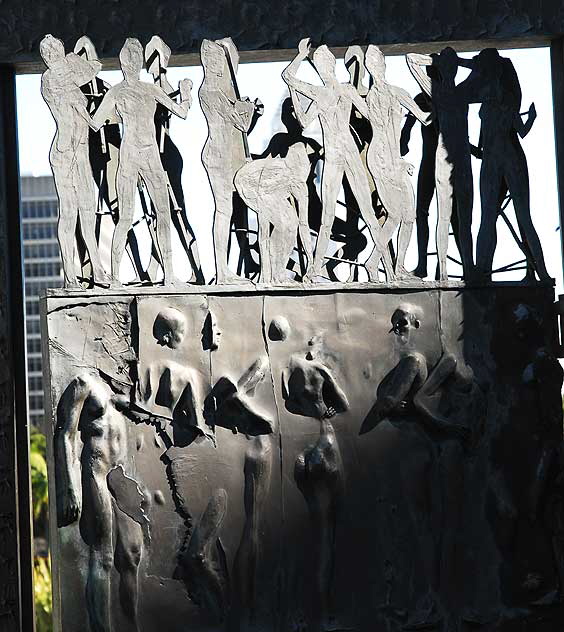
263, 80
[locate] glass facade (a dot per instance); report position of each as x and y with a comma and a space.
42, 267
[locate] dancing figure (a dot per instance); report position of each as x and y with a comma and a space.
332, 103
229, 120
135, 102
385, 104
453, 169
69, 155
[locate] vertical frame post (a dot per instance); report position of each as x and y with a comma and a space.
557, 75
16, 531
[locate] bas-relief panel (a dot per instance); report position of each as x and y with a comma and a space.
306, 461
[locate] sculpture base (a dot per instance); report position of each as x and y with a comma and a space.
257, 503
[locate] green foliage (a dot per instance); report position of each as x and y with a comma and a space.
40, 502
38, 467
42, 590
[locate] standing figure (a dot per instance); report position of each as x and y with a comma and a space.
453, 168
229, 119
504, 165
90, 446
104, 157
157, 55
311, 390
135, 102
332, 103
425, 177
318, 473
395, 402
390, 172
452, 408
266, 186
69, 157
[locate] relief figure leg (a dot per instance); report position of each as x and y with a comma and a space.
518, 184
356, 175
464, 192
425, 192
87, 214
490, 182
155, 179
330, 186
126, 185
96, 531
66, 225
128, 549
445, 200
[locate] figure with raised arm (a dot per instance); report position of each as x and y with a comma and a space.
69, 156
390, 172
229, 120
157, 55
453, 169
267, 185
332, 103
91, 454
504, 165
104, 156
135, 102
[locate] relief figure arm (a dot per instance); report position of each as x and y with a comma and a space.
289, 73
105, 111
415, 63
411, 106
67, 462
305, 117
425, 402
179, 109
524, 128
394, 389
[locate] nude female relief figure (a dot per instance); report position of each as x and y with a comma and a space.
332, 103
136, 102
385, 104
69, 155
229, 120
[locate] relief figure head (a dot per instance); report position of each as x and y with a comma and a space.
375, 62
131, 58
324, 62
212, 56
405, 320
52, 50
169, 328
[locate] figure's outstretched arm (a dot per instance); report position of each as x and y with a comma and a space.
304, 117
358, 101
105, 112
524, 128
415, 63
393, 391
424, 399
67, 464
179, 109
338, 400
289, 73
411, 106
